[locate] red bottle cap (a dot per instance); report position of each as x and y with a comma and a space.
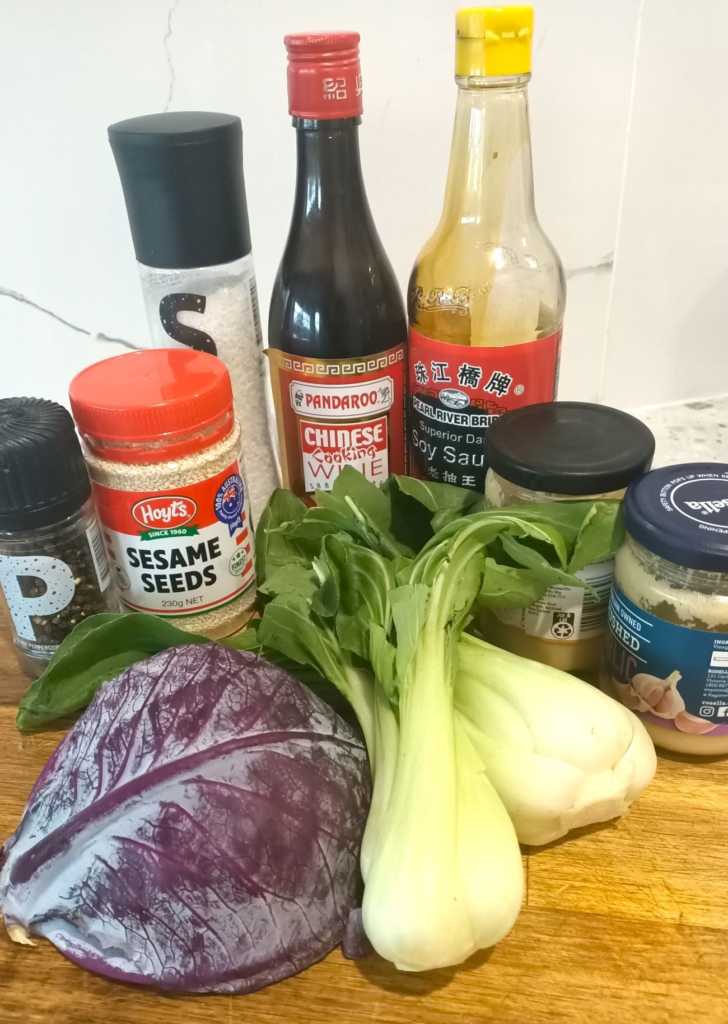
324, 75
154, 405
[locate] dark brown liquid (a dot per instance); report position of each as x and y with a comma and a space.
335, 294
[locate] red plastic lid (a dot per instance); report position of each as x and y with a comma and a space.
153, 405
324, 76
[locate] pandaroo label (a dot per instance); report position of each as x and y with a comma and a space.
668, 674
179, 552
333, 413
458, 391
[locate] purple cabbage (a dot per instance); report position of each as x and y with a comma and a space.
197, 830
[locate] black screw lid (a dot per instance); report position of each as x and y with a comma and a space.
570, 448
43, 478
182, 176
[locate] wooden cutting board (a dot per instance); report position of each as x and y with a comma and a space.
624, 923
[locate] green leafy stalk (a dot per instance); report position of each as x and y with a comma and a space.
274, 548
291, 627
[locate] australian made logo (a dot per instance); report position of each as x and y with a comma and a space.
345, 401
165, 516
229, 502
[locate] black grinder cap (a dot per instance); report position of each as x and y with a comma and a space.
575, 448
43, 478
182, 176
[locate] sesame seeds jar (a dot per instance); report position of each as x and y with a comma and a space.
163, 451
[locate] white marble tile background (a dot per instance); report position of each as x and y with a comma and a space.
694, 431
630, 150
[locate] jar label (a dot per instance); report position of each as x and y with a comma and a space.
98, 555
458, 391
183, 551
333, 413
669, 675
567, 614
36, 588
48, 595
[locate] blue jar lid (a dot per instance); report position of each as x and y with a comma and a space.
681, 513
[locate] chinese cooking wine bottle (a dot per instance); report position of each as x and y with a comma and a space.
337, 329
486, 295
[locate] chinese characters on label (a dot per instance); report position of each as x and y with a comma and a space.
335, 89
468, 376
457, 392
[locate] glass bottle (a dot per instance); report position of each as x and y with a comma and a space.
337, 328
488, 281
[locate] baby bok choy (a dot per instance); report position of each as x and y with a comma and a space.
440, 859
440, 856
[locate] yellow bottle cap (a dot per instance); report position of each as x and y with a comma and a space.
493, 41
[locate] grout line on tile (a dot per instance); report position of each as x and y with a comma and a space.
620, 206
603, 265
166, 40
10, 293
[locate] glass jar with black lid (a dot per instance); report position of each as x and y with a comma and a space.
563, 451
53, 569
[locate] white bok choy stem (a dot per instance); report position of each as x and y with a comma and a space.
383, 766
444, 874
560, 753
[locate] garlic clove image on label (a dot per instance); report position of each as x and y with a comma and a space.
686, 722
660, 695
628, 697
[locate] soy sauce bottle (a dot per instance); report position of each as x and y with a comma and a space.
337, 328
486, 296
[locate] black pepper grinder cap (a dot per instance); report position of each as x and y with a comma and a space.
43, 477
574, 448
182, 176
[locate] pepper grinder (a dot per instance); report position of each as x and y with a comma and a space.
182, 177
53, 568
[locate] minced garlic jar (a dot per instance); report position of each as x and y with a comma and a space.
163, 451
562, 451
667, 653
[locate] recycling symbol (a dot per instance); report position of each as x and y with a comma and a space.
563, 627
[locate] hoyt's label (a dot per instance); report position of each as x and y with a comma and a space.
179, 552
458, 391
334, 413
670, 675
